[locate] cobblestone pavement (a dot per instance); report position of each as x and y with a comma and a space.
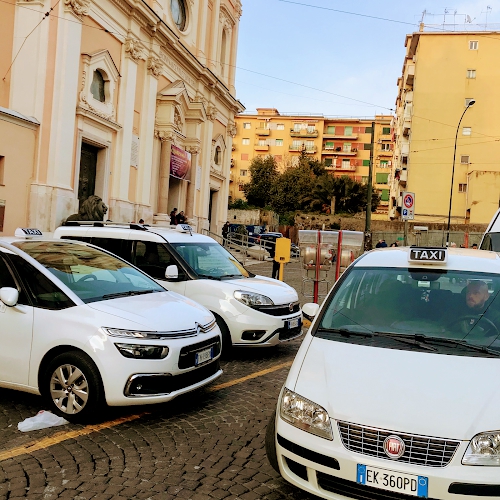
205, 445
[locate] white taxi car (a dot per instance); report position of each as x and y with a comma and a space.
83, 328
394, 392
251, 310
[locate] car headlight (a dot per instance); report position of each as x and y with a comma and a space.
484, 449
252, 299
142, 351
131, 334
304, 414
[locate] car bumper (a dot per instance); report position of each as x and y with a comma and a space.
141, 381
256, 329
327, 469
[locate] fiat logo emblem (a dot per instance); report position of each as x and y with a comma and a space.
394, 447
290, 307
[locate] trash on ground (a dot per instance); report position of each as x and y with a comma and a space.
41, 420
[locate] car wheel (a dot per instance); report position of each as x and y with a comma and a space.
271, 443
73, 387
227, 343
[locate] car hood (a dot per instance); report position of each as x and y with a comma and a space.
277, 291
436, 395
162, 311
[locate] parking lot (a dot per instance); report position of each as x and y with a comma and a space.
206, 444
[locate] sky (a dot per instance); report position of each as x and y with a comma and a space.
305, 56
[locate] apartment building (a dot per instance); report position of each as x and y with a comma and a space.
442, 72
343, 144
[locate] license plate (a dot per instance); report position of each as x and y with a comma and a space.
409, 484
204, 355
293, 323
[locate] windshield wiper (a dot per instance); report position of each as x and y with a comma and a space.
462, 343
232, 276
346, 333
128, 293
209, 277
411, 339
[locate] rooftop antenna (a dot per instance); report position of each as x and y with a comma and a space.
488, 10
423, 16
446, 11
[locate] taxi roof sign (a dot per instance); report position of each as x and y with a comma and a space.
184, 228
429, 255
27, 232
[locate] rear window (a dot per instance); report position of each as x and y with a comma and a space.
491, 241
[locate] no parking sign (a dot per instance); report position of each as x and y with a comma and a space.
408, 208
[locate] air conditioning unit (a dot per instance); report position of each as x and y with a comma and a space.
389, 163
400, 201
392, 213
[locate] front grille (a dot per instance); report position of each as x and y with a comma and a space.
350, 489
289, 333
150, 385
419, 450
280, 310
187, 357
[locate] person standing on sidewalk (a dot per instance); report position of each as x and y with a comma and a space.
276, 265
225, 231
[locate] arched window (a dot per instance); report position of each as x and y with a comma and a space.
217, 155
97, 87
178, 8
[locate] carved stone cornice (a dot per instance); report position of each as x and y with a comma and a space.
164, 136
79, 7
155, 66
133, 49
231, 129
194, 150
217, 174
237, 8
211, 112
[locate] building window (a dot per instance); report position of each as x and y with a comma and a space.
347, 147
366, 163
468, 100
384, 164
240, 187
280, 126
309, 145
462, 188
467, 131
297, 127
382, 179
473, 44
386, 146
2, 170
311, 129
243, 173
330, 129
364, 180
368, 130
244, 156
329, 145
296, 144
97, 87
278, 158
384, 195
465, 159
178, 9
217, 155
346, 164
279, 142
262, 142
367, 146
245, 141
247, 125
328, 162
386, 130
348, 131
471, 73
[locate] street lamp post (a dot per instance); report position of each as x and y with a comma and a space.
470, 103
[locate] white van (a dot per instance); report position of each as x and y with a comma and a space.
491, 238
393, 393
251, 311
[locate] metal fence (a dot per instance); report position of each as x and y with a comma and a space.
434, 238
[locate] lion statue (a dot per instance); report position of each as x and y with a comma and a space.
93, 208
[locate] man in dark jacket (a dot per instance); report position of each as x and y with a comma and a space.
173, 217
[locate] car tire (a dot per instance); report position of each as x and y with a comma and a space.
271, 443
227, 343
73, 388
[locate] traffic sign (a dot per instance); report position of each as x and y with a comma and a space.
408, 208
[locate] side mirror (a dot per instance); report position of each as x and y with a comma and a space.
310, 310
171, 273
9, 296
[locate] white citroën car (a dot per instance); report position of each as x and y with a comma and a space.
84, 328
394, 392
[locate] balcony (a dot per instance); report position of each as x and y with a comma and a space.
334, 152
261, 147
353, 137
303, 133
231, 177
409, 75
233, 163
262, 131
340, 168
406, 124
300, 147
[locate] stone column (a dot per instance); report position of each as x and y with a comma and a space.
163, 185
232, 61
192, 182
125, 116
216, 37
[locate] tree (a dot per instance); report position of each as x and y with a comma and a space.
263, 172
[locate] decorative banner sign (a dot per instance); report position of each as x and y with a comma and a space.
180, 162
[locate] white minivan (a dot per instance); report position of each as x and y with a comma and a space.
491, 237
83, 328
394, 392
251, 310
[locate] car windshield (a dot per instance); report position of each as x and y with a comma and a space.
433, 310
91, 274
211, 260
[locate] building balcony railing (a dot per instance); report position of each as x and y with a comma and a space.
406, 125
303, 133
385, 153
340, 168
340, 137
262, 131
334, 152
301, 147
261, 147
233, 163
